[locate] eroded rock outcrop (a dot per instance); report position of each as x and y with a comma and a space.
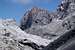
45, 24
13, 38
51, 25
34, 17
39, 28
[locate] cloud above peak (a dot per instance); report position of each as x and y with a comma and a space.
26, 2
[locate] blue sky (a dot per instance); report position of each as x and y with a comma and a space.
17, 8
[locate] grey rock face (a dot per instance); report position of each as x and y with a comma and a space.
49, 25
65, 41
8, 37
13, 38
45, 26
67, 38
35, 16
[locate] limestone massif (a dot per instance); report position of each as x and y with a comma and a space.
43, 23
38, 28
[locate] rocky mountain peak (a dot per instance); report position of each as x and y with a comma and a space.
35, 10
69, 1
65, 8
36, 16
39, 27
43, 23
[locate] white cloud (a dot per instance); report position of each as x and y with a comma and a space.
25, 1
21, 1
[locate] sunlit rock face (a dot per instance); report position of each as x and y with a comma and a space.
47, 25
50, 25
38, 28
68, 24
36, 16
8, 39
13, 38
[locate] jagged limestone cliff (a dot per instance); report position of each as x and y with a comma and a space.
40, 28
50, 25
